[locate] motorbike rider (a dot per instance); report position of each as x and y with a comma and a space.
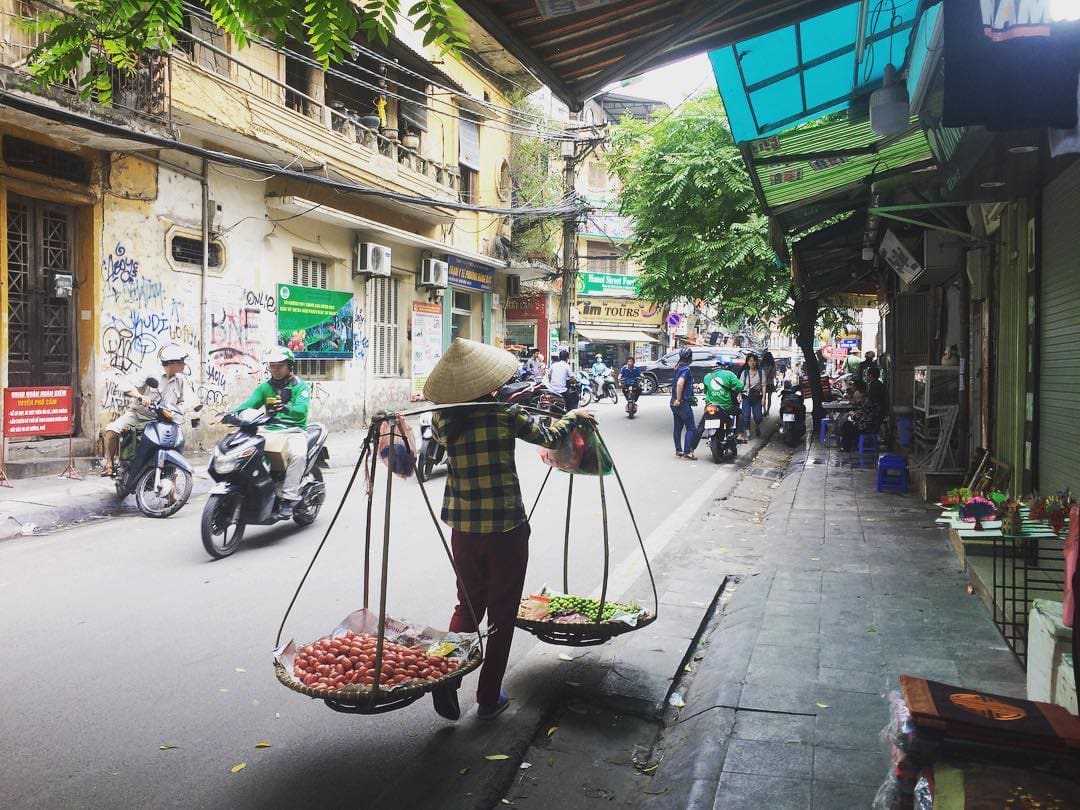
599, 367
534, 367
174, 388
291, 422
722, 388
630, 377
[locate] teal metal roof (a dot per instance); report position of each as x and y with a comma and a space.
800, 72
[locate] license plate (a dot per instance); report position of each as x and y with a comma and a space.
789, 417
713, 424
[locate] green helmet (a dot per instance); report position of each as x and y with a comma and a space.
279, 354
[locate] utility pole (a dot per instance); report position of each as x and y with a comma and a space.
569, 250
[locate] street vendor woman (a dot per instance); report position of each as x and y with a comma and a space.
483, 505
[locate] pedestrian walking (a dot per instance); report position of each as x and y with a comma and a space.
753, 380
483, 506
682, 401
768, 367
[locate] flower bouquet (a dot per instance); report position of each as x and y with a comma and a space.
976, 509
1053, 509
957, 496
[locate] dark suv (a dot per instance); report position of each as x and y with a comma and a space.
657, 373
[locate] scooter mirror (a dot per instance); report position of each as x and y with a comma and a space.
285, 396
151, 382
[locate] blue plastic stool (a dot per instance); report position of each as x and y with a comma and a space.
868, 442
825, 435
892, 474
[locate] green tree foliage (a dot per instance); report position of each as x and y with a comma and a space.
535, 168
105, 35
698, 230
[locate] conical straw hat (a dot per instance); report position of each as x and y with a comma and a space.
468, 371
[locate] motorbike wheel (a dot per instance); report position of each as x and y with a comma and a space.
716, 450
152, 503
215, 524
424, 462
613, 392
119, 478
585, 398
648, 385
307, 516
631, 408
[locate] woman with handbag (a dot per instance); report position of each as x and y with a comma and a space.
682, 402
753, 380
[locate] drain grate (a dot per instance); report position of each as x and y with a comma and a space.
760, 472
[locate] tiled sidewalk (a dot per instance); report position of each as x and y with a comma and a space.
854, 588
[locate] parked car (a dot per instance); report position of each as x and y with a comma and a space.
657, 374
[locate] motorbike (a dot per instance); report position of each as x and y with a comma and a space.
248, 486
430, 453
792, 415
631, 392
151, 465
604, 386
720, 431
585, 389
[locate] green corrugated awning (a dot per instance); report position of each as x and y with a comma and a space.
826, 158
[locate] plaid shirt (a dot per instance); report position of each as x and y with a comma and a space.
483, 494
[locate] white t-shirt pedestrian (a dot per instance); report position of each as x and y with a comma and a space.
558, 375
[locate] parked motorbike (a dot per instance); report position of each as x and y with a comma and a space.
585, 393
151, 465
631, 392
430, 454
247, 490
720, 431
604, 386
792, 415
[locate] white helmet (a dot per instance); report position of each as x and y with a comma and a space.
279, 354
173, 354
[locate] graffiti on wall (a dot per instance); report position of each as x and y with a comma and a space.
360, 342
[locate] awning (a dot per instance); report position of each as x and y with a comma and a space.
597, 335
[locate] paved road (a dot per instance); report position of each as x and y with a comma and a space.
122, 636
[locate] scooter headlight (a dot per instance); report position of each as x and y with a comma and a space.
226, 463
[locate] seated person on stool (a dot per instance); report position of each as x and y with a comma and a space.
864, 419
875, 389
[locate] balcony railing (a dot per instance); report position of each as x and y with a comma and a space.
143, 92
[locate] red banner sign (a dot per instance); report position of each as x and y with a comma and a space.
37, 412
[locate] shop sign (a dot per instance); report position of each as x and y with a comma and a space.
530, 306
470, 275
900, 259
852, 301
849, 343
609, 284
38, 412
834, 352
618, 312
426, 343
315, 324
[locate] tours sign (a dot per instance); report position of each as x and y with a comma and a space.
618, 312
314, 323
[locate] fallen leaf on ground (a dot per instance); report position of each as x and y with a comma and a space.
262, 745
572, 683
698, 604
552, 730
525, 766
970, 589
506, 801
676, 700
167, 747
565, 657
463, 771
687, 668
871, 629
815, 558
241, 669
223, 689
821, 705
238, 768
496, 757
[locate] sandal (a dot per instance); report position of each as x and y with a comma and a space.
690, 457
678, 455
105, 473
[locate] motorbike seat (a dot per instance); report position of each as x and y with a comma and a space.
315, 432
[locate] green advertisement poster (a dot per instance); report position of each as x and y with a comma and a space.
607, 284
314, 323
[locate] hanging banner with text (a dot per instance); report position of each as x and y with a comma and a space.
37, 412
618, 312
609, 284
315, 324
426, 343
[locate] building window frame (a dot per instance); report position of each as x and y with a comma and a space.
385, 328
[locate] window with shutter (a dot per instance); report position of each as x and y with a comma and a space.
384, 327
311, 271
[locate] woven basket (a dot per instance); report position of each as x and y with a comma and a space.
583, 634
355, 699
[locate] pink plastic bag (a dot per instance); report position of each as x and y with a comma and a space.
1072, 548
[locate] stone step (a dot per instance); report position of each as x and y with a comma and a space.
46, 449
33, 468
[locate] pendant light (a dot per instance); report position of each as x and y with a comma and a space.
890, 110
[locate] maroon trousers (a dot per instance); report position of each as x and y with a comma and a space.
492, 569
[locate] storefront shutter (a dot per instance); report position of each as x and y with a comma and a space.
1059, 336
1011, 346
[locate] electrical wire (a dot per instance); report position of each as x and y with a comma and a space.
24, 104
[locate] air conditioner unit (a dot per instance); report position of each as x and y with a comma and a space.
513, 286
371, 260
978, 271
941, 250
434, 273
